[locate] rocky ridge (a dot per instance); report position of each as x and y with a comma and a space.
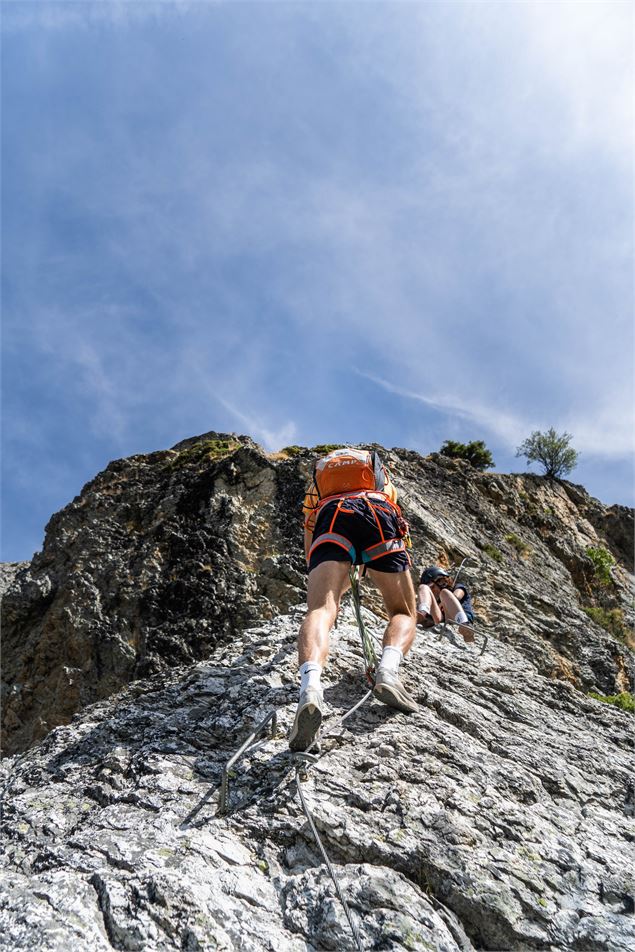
501, 816
157, 627
161, 557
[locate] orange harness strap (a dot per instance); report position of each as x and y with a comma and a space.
335, 514
359, 494
382, 548
374, 551
336, 539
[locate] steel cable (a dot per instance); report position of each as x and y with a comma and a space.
302, 760
329, 866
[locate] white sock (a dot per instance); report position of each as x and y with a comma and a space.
461, 618
391, 659
310, 673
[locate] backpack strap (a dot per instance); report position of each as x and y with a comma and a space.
379, 471
315, 482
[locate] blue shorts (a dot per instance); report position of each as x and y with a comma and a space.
358, 523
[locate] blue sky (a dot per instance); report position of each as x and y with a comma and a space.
313, 222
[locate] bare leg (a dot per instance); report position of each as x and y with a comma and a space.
452, 607
327, 583
398, 594
399, 598
467, 634
428, 603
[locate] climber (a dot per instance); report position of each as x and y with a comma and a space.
439, 598
352, 517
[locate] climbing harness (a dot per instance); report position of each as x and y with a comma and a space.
376, 502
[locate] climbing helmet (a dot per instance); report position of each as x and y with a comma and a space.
432, 573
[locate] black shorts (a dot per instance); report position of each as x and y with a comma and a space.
356, 523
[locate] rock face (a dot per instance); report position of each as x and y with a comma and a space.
162, 557
500, 816
156, 630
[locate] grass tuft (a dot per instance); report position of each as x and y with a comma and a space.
205, 450
493, 552
603, 562
524, 550
625, 701
612, 620
291, 450
324, 448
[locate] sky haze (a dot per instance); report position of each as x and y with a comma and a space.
313, 222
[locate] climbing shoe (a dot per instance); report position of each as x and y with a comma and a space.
425, 619
389, 689
448, 631
468, 634
308, 718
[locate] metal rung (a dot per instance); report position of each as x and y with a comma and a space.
302, 761
445, 628
224, 783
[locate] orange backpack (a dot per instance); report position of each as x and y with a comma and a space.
348, 470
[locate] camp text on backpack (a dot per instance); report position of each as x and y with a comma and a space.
347, 470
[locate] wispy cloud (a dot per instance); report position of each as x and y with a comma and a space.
307, 187
505, 426
606, 433
583, 53
272, 439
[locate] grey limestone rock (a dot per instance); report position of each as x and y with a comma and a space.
162, 557
501, 816
157, 629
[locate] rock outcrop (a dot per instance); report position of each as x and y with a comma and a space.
501, 816
162, 557
157, 628
157, 560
